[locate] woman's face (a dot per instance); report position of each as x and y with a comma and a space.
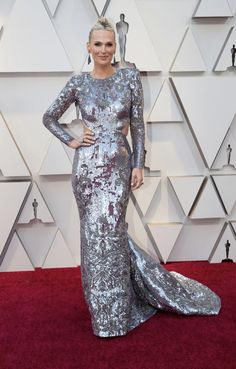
102, 47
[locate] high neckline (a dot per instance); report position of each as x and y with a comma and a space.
103, 79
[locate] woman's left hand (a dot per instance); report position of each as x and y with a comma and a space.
136, 178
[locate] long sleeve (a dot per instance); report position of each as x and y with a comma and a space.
50, 118
136, 122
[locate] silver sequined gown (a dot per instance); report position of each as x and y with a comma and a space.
123, 285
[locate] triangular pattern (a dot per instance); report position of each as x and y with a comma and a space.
23, 112
202, 208
226, 185
207, 114
153, 83
220, 251
164, 207
188, 58
165, 108
225, 59
171, 149
35, 201
41, 52
146, 192
37, 239
59, 196
213, 8
11, 162
61, 165
137, 231
165, 236
59, 255
52, 6
144, 61
16, 258
12, 195
210, 37
186, 190
72, 22
196, 240
100, 6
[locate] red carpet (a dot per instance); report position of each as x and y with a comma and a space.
44, 324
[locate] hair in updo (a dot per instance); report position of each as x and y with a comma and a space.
101, 24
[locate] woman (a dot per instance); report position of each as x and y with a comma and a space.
123, 286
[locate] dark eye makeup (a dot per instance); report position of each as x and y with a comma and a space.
110, 44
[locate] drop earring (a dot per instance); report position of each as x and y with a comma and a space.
114, 59
89, 59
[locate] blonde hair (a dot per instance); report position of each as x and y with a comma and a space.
102, 24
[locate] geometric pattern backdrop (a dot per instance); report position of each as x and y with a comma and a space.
186, 209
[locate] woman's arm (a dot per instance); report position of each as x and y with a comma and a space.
50, 118
137, 130
136, 120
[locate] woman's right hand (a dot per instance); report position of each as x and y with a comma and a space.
87, 139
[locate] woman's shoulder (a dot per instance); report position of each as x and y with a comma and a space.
130, 72
132, 77
77, 77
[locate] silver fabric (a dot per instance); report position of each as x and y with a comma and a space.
123, 285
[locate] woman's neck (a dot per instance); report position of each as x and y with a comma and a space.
103, 72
